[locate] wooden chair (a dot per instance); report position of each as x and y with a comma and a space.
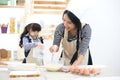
5, 55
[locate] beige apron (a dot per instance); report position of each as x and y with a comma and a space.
31, 59
69, 49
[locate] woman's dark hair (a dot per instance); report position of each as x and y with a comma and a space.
31, 26
76, 21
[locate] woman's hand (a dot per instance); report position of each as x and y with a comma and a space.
54, 48
78, 60
65, 69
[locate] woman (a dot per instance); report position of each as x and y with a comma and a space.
29, 39
75, 37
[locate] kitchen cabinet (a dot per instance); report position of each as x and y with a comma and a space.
9, 42
12, 4
49, 7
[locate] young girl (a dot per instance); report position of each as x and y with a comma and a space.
29, 38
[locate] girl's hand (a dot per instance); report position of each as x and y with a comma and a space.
54, 48
39, 44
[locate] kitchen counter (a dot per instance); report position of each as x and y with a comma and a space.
106, 74
71, 76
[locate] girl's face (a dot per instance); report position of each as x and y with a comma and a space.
34, 34
68, 23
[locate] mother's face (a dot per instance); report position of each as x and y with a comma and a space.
68, 23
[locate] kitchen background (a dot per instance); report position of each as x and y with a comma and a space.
102, 15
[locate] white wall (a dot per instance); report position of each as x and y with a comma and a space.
104, 19
7, 13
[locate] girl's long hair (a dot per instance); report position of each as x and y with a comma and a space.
31, 26
76, 21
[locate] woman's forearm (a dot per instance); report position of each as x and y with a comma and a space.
78, 60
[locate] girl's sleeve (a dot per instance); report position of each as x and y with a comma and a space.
86, 36
58, 34
28, 45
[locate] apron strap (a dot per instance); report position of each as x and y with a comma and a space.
90, 62
74, 57
26, 53
41, 40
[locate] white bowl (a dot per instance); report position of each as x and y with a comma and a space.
53, 67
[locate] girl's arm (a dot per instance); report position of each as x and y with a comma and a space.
28, 45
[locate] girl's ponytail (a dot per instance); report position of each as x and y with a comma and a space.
22, 35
